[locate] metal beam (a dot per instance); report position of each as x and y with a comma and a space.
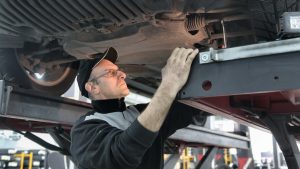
275, 154
207, 159
286, 141
249, 51
276, 72
24, 104
207, 137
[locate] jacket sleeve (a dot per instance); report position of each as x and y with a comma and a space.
179, 116
96, 144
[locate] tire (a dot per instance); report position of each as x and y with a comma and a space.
53, 82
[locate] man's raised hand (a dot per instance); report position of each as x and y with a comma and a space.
177, 69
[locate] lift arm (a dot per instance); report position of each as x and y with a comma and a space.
257, 85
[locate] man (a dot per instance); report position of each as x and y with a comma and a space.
115, 137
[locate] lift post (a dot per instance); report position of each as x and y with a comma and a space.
22, 156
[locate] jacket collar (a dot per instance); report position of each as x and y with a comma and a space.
108, 106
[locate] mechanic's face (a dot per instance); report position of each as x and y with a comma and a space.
107, 81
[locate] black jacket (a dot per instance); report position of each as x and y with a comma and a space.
110, 137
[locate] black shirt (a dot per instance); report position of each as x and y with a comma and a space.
110, 137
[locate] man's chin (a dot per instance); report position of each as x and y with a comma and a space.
125, 93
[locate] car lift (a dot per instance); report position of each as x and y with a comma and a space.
18, 103
56, 113
211, 139
24, 104
257, 85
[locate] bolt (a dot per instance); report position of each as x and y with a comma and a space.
204, 57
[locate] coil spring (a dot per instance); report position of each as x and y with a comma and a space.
194, 22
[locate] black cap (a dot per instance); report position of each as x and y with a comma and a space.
87, 65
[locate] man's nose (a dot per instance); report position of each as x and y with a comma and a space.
121, 74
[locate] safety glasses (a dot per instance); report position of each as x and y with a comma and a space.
108, 73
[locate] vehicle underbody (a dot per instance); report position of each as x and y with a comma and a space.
46, 37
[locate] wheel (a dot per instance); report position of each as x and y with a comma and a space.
51, 81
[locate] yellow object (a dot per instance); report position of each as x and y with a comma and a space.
227, 156
186, 158
22, 156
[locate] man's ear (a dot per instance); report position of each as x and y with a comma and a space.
88, 87
91, 88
